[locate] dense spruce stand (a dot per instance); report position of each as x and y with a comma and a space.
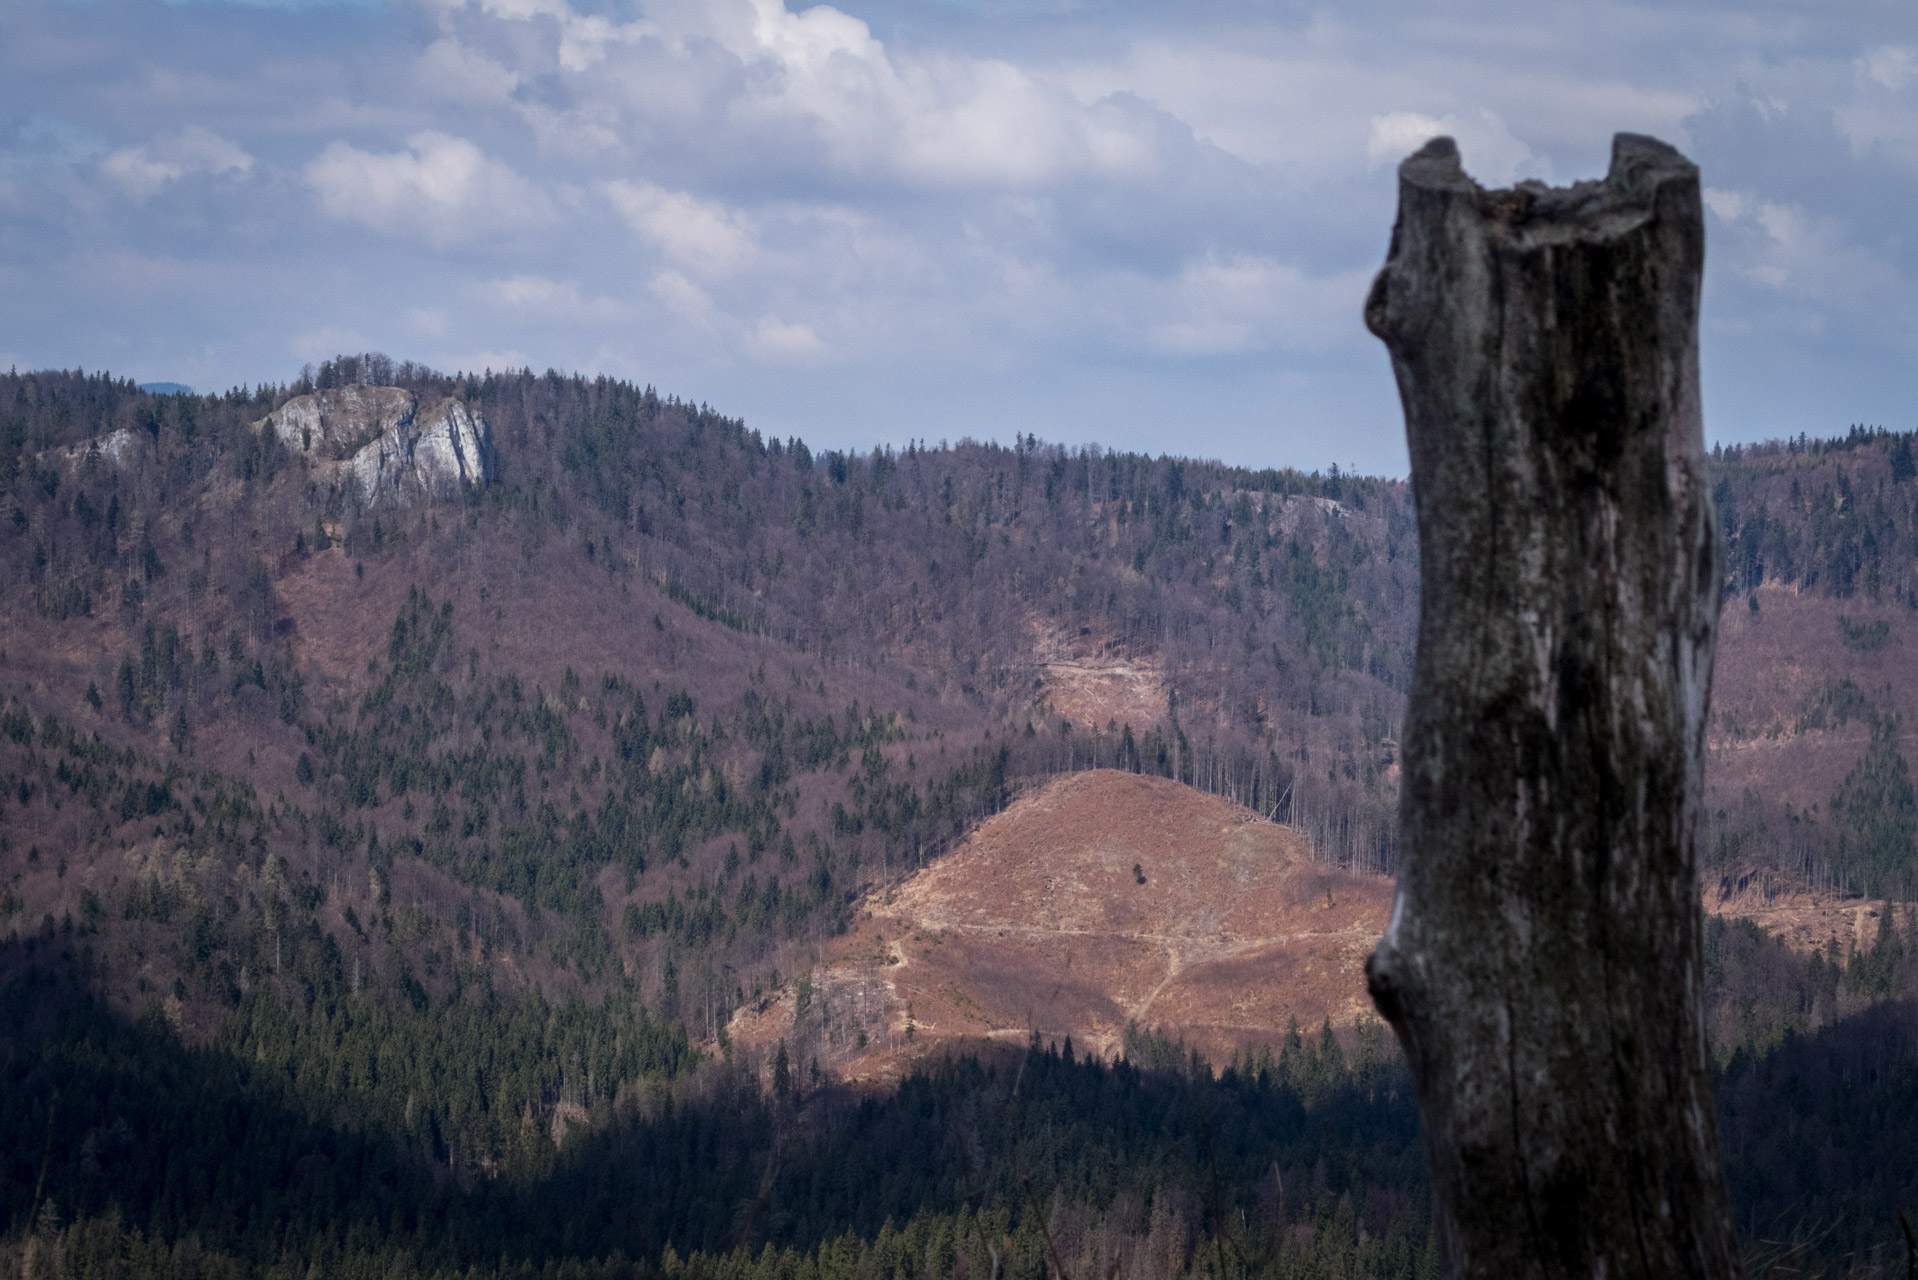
1543, 968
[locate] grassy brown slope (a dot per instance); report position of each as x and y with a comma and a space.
1038, 922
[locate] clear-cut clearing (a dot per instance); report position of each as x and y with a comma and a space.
1039, 921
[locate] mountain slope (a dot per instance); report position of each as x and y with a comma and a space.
648, 702
426, 851
1098, 902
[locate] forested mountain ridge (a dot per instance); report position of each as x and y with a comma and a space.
451, 828
574, 708
467, 823
825, 661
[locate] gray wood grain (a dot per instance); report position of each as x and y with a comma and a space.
1543, 966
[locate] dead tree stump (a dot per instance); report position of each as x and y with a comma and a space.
1543, 967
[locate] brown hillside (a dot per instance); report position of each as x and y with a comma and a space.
1803, 919
1777, 730
1038, 922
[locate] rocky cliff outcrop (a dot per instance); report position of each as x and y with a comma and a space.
380, 442
115, 449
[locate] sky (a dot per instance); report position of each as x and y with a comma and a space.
1146, 226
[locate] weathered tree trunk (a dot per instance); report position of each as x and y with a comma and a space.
1543, 967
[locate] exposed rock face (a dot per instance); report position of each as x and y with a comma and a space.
379, 441
442, 451
115, 449
333, 424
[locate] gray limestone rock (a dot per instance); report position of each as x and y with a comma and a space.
378, 441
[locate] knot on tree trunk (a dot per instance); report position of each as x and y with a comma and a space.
1543, 964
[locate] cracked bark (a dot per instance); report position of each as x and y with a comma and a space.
1542, 968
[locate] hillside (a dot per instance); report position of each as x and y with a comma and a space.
622, 699
1807, 775
593, 682
839, 661
461, 776
1099, 903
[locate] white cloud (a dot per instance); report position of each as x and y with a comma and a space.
1807, 262
1221, 306
1487, 148
776, 341
583, 38
556, 299
703, 236
990, 123
1798, 248
942, 120
1304, 100
136, 172
1888, 66
442, 189
1881, 116
1398, 134
143, 170
684, 298
428, 322
464, 75
819, 74
1729, 205
526, 10
584, 132
1260, 105
536, 291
